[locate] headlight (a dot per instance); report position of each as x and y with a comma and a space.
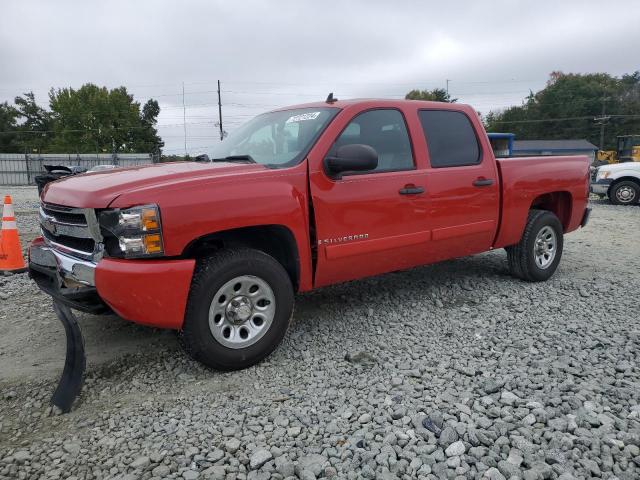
602, 174
132, 232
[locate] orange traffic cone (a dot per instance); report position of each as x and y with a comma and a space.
11, 259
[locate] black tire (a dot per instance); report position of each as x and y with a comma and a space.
211, 274
629, 188
522, 258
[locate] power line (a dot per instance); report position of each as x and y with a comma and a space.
590, 117
98, 130
241, 120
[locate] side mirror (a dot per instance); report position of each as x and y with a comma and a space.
351, 158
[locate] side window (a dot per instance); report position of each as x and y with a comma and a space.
386, 132
451, 140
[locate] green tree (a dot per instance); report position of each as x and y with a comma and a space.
8, 129
568, 105
95, 119
35, 124
435, 95
147, 139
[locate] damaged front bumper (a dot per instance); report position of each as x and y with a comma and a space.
69, 280
149, 292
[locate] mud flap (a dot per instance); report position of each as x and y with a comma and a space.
72, 377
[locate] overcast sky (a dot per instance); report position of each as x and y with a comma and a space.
269, 54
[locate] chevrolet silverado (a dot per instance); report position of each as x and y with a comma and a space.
296, 199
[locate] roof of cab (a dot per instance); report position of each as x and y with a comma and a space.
374, 102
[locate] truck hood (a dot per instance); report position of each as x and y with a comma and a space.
99, 189
617, 167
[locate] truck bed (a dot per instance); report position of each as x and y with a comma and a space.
540, 181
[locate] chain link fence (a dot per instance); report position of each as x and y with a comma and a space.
21, 169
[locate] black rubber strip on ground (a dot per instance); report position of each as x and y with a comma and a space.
72, 377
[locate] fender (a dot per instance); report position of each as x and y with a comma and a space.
212, 205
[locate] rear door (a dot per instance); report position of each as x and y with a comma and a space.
462, 185
372, 222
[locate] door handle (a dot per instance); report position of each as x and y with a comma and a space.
411, 190
482, 182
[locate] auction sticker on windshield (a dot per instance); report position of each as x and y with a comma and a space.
303, 116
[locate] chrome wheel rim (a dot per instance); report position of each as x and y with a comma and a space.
625, 194
241, 312
545, 247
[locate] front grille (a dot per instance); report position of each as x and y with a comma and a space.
67, 216
67, 228
85, 245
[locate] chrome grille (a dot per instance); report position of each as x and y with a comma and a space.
66, 229
66, 215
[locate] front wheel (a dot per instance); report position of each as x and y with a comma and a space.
239, 308
537, 256
624, 193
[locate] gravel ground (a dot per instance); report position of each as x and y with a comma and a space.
454, 370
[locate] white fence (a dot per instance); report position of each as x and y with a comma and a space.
21, 169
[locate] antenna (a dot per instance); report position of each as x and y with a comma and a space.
331, 99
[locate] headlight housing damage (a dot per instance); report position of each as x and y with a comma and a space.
132, 232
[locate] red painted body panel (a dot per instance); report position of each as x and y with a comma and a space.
374, 246
99, 189
150, 292
366, 204
527, 178
464, 218
254, 196
451, 219
361, 225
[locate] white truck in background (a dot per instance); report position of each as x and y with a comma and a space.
619, 181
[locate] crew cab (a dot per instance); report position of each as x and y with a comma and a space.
296, 199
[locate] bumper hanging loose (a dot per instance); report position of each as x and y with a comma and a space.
149, 292
72, 378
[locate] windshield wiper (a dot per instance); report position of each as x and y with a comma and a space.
235, 158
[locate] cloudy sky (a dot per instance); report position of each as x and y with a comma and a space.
270, 54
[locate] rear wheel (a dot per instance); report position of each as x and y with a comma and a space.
538, 254
624, 193
239, 309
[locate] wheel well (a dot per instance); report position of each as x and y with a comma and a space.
627, 179
274, 240
560, 203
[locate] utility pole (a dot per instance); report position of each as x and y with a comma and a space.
448, 80
184, 121
220, 113
602, 120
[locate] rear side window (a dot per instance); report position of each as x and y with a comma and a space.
451, 140
386, 132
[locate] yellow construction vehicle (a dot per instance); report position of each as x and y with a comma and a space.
627, 150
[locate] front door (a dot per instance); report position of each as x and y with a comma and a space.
373, 222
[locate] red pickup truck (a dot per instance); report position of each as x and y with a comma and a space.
296, 199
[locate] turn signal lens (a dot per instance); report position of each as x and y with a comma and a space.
149, 219
153, 243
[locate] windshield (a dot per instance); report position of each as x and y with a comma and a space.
277, 139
